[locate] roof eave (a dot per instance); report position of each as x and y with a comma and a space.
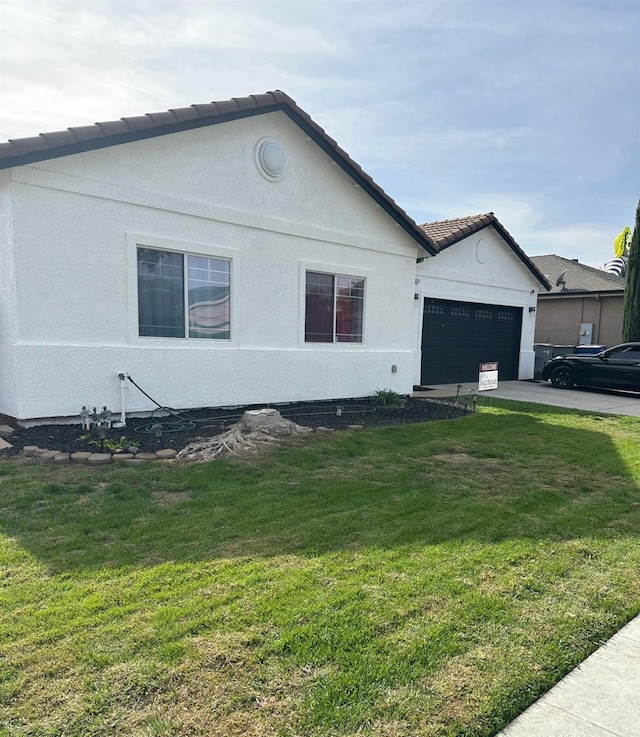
584, 293
521, 254
282, 102
92, 144
362, 179
490, 220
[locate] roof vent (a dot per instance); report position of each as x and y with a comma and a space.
271, 159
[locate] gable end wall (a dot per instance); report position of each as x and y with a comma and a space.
77, 223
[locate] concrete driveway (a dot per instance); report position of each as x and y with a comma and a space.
541, 392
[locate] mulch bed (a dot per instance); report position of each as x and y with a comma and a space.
170, 431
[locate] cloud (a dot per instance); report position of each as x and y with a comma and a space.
65, 62
591, 243
531, 110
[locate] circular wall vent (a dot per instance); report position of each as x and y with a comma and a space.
271, 159
482, 251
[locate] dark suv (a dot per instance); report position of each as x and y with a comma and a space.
615, 368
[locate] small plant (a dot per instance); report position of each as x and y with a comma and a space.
112, 445
387, 398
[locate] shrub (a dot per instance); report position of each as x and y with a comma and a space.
387, 398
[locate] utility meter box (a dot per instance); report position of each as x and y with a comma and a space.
586, 333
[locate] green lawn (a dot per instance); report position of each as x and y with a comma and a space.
418, 580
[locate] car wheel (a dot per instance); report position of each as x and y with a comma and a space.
562, 377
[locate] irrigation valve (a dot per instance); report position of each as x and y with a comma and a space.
105, 416
92, 419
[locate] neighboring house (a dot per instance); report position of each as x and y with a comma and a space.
479, 302
222, 254
585, 305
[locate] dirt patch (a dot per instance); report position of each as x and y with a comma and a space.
181, 427
454, 457
166, 499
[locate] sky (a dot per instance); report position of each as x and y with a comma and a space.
530, 110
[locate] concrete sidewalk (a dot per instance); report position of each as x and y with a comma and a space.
601, 697
592, 400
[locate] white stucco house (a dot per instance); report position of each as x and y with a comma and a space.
222, 254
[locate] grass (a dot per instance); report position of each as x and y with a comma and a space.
426, 580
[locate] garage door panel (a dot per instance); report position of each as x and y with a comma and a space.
457, 336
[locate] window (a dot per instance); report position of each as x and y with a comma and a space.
630, 353
168, 281
432, 308
459, 312
333, 308
481, 314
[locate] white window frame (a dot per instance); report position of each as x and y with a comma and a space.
334, 270
135, 241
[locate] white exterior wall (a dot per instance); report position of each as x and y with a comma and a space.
480, 268
76, 222
8, 305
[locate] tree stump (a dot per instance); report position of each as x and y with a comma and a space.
257, 429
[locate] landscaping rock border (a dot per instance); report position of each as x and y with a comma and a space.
96, 459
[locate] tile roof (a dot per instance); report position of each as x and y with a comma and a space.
446, 233
21, 151
577, 277
53, 144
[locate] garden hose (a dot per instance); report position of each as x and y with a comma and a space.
181, 421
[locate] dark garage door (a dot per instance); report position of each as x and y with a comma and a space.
458, 336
